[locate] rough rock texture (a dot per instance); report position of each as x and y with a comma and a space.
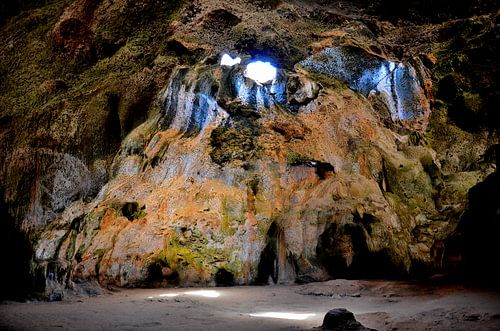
341, 319
130, 157
396, 84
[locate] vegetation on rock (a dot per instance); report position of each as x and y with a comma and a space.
109, 107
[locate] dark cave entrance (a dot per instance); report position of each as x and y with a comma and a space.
479, 229
275, 265
16, 251
343, 252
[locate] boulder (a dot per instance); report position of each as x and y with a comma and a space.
342, 319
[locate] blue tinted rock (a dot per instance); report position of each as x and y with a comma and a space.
397, 84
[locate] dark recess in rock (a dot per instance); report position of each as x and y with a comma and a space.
224, 278
342, 250
428, 10
160, 274
468, 75
16, 280
220, 20
131, 210
268, 267
10, 8
479, 227
112, 125
186, 55
323, 169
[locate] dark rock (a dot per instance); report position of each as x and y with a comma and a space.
268, 4
54, 297
429, 10
72, 36
52, 86
472, 317
187, 55
220, 19
468, 75
342, 319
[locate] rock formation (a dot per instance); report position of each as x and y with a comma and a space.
342, 319
131, 157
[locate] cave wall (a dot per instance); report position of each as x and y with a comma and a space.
131, 157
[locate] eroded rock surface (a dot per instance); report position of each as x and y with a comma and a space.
137, 159
342, 319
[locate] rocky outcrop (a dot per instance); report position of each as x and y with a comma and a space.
287, 211
341, 319
72, 35
396, 85
152, 164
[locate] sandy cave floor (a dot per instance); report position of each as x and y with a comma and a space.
382, 305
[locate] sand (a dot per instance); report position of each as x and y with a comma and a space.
381, 305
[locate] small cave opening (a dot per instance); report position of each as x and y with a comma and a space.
343, 252
268, 268
276, 265
17, 280
224, 277
479, 227
159, 273
132, 211
324, 170
261, 72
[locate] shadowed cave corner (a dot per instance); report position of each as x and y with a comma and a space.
16, 279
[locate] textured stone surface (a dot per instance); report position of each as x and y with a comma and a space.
396, 84
132, 158
341, 319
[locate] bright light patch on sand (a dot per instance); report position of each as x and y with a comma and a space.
227, 60
286, 316
169, 295
261, 72
204, 293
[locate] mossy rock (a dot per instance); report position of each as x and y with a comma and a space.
235, 140
409, 181
294, 158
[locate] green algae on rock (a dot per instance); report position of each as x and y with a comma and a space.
132, 158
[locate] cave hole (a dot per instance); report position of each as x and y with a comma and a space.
227, 60
132, 211
224, 277
343, 251
261, 72
275, 264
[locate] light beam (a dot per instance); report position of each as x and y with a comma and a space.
261, 72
